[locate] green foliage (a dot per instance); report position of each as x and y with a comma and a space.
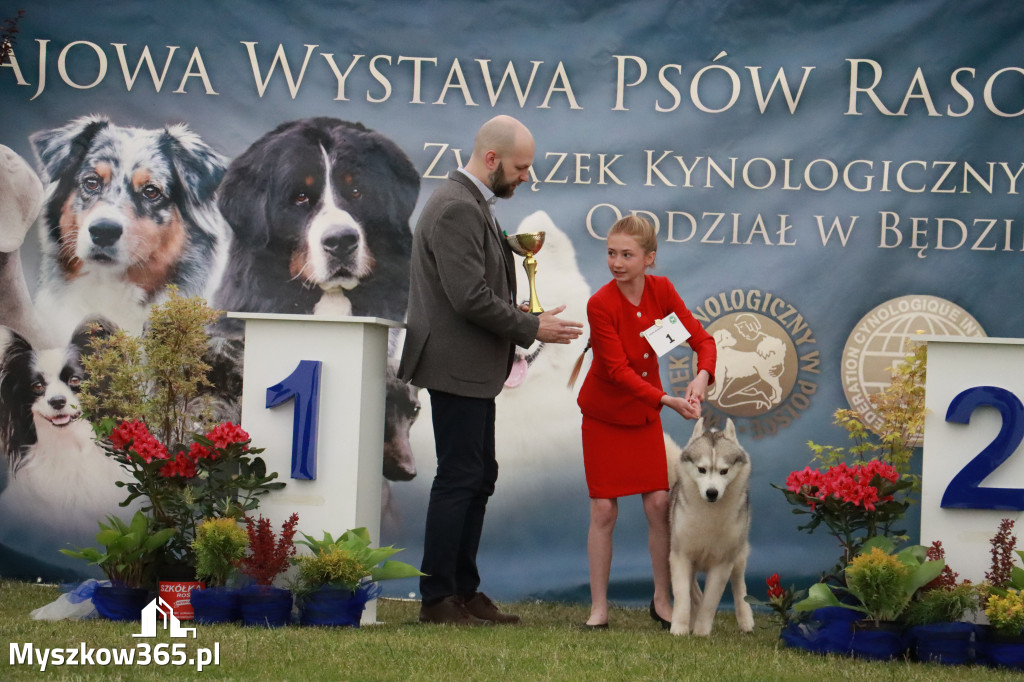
131, 550
156, 378
942, 605
219, 544
882, 583
347, 562
900, 411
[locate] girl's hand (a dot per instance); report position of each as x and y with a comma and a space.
688, 409
697, 389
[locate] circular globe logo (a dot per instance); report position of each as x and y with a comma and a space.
882, 338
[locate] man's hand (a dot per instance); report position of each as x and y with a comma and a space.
554, 330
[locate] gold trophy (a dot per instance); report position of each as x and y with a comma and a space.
526, 244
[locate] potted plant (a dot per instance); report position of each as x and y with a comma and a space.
1002, 642
937, 632
128, 562
882, 585
219, 545
339, 576
149, 402
266, 558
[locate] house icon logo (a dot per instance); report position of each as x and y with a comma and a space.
159, 609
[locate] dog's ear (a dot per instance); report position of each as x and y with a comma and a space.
16, 376
198, 166
91, 330
60, 151
730, 431
244, 198
404, 188
698, 430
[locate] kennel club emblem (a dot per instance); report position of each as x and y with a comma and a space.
768, 361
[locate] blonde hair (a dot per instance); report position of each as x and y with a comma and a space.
639, 229
646, 238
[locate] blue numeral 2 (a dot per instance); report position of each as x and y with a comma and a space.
964, 491
303, 384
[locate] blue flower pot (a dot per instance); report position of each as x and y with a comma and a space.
945, 643
336, 607
114, 602
216, 605
265, 605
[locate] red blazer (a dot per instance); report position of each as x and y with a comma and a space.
623, 385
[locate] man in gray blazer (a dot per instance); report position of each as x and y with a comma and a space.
463, 326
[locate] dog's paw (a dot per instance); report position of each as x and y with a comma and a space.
745, 619
702, 629
679, 630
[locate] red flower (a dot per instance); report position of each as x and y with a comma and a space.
226, 433
182, 465
197, 452
775, 590
135, 435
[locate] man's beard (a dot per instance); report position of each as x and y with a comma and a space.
501, 187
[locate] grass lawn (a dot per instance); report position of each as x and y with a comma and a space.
548, 646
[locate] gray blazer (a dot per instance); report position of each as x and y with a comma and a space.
463, 324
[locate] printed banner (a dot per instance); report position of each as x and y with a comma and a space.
827, 179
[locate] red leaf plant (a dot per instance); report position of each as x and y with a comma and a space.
268, 553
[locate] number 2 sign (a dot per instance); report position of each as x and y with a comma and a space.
973, 466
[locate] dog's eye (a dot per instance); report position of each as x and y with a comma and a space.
74, 381
38, 387
92, 183
723, 472
701, 470
152, 192
354, 192
300, 199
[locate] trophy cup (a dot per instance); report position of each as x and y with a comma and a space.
526, 244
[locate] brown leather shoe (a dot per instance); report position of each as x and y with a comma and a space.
449, 611
480, 606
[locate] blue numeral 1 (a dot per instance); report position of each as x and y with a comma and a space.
303, 384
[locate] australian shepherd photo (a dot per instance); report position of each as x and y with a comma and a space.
59, 482
128, 211
319, 213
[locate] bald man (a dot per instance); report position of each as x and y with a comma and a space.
462, 331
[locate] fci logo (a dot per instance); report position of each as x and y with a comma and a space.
158, 608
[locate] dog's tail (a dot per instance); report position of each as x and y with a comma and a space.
578, 366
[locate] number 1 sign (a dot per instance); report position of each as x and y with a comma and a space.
973, 470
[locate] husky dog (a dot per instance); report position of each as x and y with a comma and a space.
709, 518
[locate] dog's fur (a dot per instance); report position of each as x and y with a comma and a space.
319, 209
59, 481
710, 521
128, 211
21, 199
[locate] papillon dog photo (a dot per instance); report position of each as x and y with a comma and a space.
59, 482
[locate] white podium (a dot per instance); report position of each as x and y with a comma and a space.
973, 467
334, 444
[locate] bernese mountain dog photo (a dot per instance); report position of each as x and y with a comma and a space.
319, 213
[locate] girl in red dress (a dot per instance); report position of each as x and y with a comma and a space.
621, 399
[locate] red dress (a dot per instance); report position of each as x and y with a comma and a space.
623, 441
